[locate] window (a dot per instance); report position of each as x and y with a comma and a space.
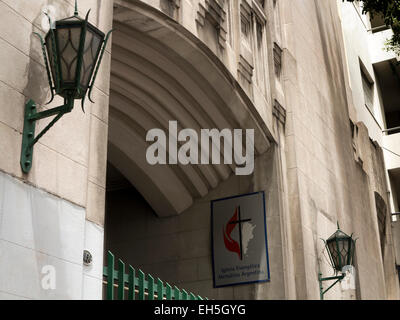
368, 88
260, 32
229, 10
170, 7
252, 65
393, 122
278, 60
387, 75
246, 29
378, 23
277, 22
246, 59
260, 55
212, 18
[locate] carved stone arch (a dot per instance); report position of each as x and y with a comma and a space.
160, 72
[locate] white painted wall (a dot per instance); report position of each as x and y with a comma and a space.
392, 143
37, 230
357, 44
376, 46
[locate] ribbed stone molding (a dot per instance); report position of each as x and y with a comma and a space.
214, 12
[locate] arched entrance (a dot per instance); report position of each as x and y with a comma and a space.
161, 72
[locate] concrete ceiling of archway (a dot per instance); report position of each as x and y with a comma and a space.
161, 72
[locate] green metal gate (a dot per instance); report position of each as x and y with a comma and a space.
132, 286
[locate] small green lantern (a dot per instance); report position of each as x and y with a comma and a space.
341, 248
74, 49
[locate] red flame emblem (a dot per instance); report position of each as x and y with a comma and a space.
231, 244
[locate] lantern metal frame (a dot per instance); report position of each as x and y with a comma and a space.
337, 268
70, 91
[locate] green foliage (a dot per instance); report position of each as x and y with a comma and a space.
390, 11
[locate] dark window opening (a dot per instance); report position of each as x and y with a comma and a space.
368, 88
393, 121
246, 28
378, 23
388, 79
277, 60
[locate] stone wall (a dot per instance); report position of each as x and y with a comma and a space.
68, 163
326, 184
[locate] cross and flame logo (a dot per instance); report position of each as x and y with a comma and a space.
231, 244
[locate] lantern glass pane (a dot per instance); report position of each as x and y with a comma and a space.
340, 245
344, 251
341, 249
333, 252
91, 51
68, 46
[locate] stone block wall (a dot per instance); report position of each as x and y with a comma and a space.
67, 182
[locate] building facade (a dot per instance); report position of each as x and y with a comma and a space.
308, 77
374, 78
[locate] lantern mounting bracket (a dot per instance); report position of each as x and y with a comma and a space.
28, 135
321, 280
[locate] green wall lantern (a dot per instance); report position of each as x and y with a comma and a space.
74, 49
341, 248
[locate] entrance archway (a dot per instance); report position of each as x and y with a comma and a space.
161, 72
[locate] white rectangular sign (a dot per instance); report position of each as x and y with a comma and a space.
239, 240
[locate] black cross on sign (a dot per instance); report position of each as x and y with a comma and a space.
240, 222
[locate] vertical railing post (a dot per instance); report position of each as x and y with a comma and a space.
141, 286
121, 281
177, 293
150, 289
110, 276
140, 282
160, 290
168, 291
131, 285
